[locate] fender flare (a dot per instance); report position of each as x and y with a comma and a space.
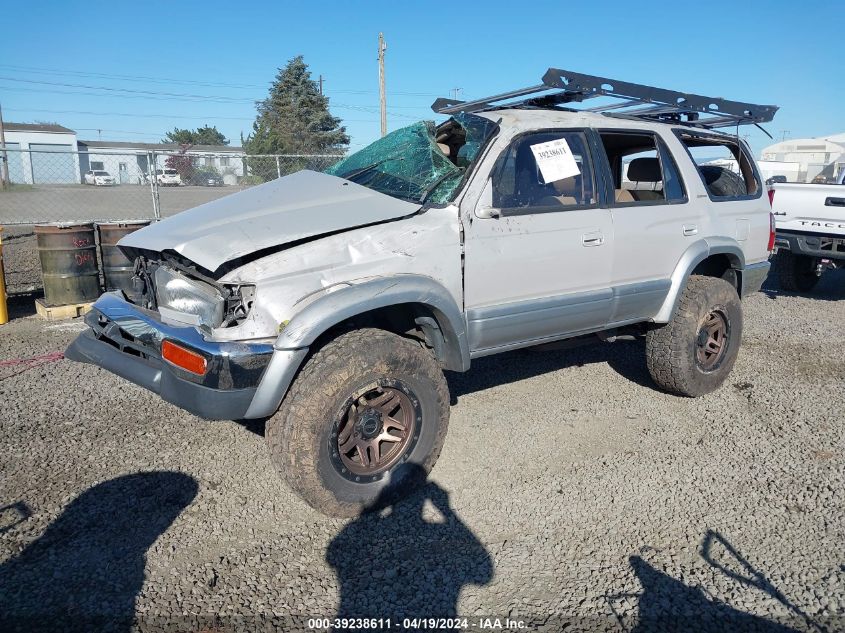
335, 307
692, 257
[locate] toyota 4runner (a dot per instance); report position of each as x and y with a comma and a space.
330, 303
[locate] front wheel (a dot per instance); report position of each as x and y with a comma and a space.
693, 354
363, 422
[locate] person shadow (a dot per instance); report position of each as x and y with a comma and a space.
407, 559
667, 604
86, 570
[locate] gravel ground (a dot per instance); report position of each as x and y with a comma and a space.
570, 495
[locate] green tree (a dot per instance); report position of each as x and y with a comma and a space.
201, 136
293, 119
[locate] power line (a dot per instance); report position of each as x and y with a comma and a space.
344, 106
139, 116
99, 129
127, 90
117, 96
156, 116
163, 80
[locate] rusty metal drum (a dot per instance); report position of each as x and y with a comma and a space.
68, 255
117, 269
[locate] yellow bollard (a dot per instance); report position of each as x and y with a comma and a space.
4, 311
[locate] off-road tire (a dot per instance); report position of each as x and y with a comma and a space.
300, 438
722, 182
795, 273
671, 350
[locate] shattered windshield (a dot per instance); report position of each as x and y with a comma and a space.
423, 162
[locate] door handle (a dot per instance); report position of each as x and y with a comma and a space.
690, 229
592, 239
834, 202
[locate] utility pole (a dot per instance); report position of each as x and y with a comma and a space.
456, 92
382, 47
321, 85
4, 158
783, 134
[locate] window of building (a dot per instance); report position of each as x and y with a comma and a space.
643, 169
97, 165
224, 161
209, 161
522, 184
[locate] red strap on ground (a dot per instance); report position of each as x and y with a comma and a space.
44, 358
26, 364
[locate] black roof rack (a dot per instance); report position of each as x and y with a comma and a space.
632, 100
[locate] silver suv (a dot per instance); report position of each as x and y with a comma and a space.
332, 302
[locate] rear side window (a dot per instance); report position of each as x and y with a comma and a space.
643, 170
725, 167
544, 171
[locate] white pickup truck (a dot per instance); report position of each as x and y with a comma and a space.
810, 239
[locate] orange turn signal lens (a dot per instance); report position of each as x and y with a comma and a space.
183, 358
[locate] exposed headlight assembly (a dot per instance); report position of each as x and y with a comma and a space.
186, 300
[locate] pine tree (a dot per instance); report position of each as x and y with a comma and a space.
295, 117
201, 136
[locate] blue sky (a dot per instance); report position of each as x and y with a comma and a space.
225, 54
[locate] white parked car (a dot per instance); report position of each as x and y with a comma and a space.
98, 177
168, 177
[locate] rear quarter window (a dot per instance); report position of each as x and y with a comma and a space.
725, 166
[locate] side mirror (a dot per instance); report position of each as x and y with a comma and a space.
484, 208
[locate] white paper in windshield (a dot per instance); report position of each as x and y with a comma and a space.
555, 160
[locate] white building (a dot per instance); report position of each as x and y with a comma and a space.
807, 158
41, 153
51, 154
129, 162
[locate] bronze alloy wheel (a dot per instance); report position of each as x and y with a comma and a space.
712, 340
375, 430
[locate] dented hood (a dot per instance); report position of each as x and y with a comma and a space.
302, 205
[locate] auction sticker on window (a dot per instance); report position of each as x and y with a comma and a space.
555, 160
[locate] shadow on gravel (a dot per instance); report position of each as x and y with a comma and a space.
257, 426
23, 305
406, 560
85, 572
13, 515
627, 358
831, 287
667, 604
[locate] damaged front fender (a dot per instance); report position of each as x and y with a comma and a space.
345, 303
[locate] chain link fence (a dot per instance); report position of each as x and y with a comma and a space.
61, 187
72, 187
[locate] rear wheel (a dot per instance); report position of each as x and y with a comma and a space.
365, 418
796, 273
693, 354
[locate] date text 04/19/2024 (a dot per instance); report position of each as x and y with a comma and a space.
418, 624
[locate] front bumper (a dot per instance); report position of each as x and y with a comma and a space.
243, 380
821, 246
